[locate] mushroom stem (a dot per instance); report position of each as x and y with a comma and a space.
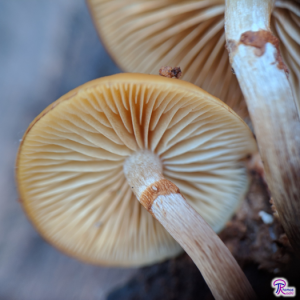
263, 77
163, 200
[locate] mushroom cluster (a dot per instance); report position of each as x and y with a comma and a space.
87, 158
142, 36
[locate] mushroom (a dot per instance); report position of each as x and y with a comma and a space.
263, 76
143, 36
87, 157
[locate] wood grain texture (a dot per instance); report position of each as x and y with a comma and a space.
272, 109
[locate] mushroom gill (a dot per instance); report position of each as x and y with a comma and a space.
70, 165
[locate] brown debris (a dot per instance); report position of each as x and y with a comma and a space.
170, 72
258, 39
274, 210
255, 165
253, 240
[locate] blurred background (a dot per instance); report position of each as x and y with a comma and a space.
47, 48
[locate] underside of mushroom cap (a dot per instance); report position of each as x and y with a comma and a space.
144, 35
70, 165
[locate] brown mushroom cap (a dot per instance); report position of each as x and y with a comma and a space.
142, 36
70, 165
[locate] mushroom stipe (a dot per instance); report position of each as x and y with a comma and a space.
87, 158
272, 97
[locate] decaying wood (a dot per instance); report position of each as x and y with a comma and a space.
218, 267
259, 69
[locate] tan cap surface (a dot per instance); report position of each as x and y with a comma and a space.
70, 165
144, 35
